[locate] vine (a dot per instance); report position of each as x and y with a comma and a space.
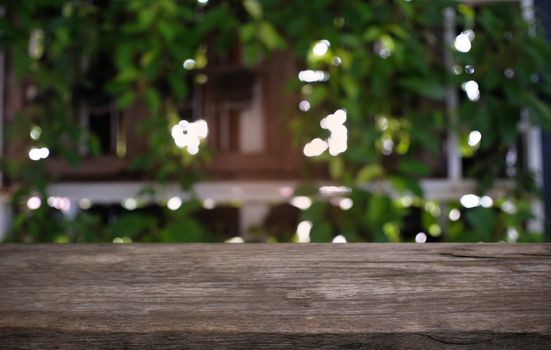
374, 76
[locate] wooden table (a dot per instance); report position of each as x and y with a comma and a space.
349, 296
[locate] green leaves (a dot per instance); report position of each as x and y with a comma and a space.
321, 230
247, 32
336, 167
406, 184
412, 167
132, 225
253, 8
153, 100
423, 86
483, 221
126, 99
184, 229
541, 112
385, 67
368, 173
269, 36
258, 35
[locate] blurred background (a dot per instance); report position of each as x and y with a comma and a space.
275, 121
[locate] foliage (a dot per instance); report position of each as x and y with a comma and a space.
386, 68
391, 79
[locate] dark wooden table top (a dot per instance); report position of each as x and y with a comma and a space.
387, 296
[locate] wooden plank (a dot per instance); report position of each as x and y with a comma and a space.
403, 296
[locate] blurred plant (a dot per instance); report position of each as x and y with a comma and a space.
375, 81
136, 48
373, 70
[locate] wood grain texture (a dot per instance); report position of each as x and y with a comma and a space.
340, 296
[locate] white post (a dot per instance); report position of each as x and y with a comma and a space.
5, 208
251, 214
452, 100
532, 136
5, 215
2, 102
454, 165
